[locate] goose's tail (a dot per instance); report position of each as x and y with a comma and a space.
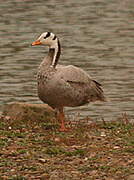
97, 92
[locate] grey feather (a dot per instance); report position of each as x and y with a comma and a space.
61, 86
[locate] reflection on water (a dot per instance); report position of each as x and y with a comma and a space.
96, 35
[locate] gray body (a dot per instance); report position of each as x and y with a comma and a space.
61, 86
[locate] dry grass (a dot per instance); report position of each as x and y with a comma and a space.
101, 150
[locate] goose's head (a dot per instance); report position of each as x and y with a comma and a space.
46, 38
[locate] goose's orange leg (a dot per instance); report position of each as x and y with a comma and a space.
62, 120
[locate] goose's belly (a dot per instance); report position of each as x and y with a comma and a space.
60, 93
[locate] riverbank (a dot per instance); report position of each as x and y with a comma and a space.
100, 150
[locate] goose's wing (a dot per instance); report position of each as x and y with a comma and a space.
73, 74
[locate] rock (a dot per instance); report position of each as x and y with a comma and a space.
22, 112
43, 160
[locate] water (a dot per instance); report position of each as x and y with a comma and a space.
96, 35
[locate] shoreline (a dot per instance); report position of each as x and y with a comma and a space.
37, 150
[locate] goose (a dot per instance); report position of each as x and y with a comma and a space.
63, 86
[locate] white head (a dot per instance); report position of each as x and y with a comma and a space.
48, 39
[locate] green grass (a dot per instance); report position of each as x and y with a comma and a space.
42, 151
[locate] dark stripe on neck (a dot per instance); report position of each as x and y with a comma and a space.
52, 50
58, 54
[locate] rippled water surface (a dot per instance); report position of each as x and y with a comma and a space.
96, 35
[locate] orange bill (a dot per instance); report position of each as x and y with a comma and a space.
36, 43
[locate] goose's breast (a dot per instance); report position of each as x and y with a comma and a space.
58, 92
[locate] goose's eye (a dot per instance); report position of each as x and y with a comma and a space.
47, 35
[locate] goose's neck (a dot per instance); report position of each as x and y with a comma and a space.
54, 54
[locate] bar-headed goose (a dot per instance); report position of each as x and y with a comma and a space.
59, 85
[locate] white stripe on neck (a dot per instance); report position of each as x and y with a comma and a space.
55, 55
54, 46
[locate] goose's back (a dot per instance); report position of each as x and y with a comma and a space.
67, 86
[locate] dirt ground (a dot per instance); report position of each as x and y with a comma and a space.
95, 151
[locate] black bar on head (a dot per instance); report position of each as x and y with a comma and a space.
47, 35
54, 37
